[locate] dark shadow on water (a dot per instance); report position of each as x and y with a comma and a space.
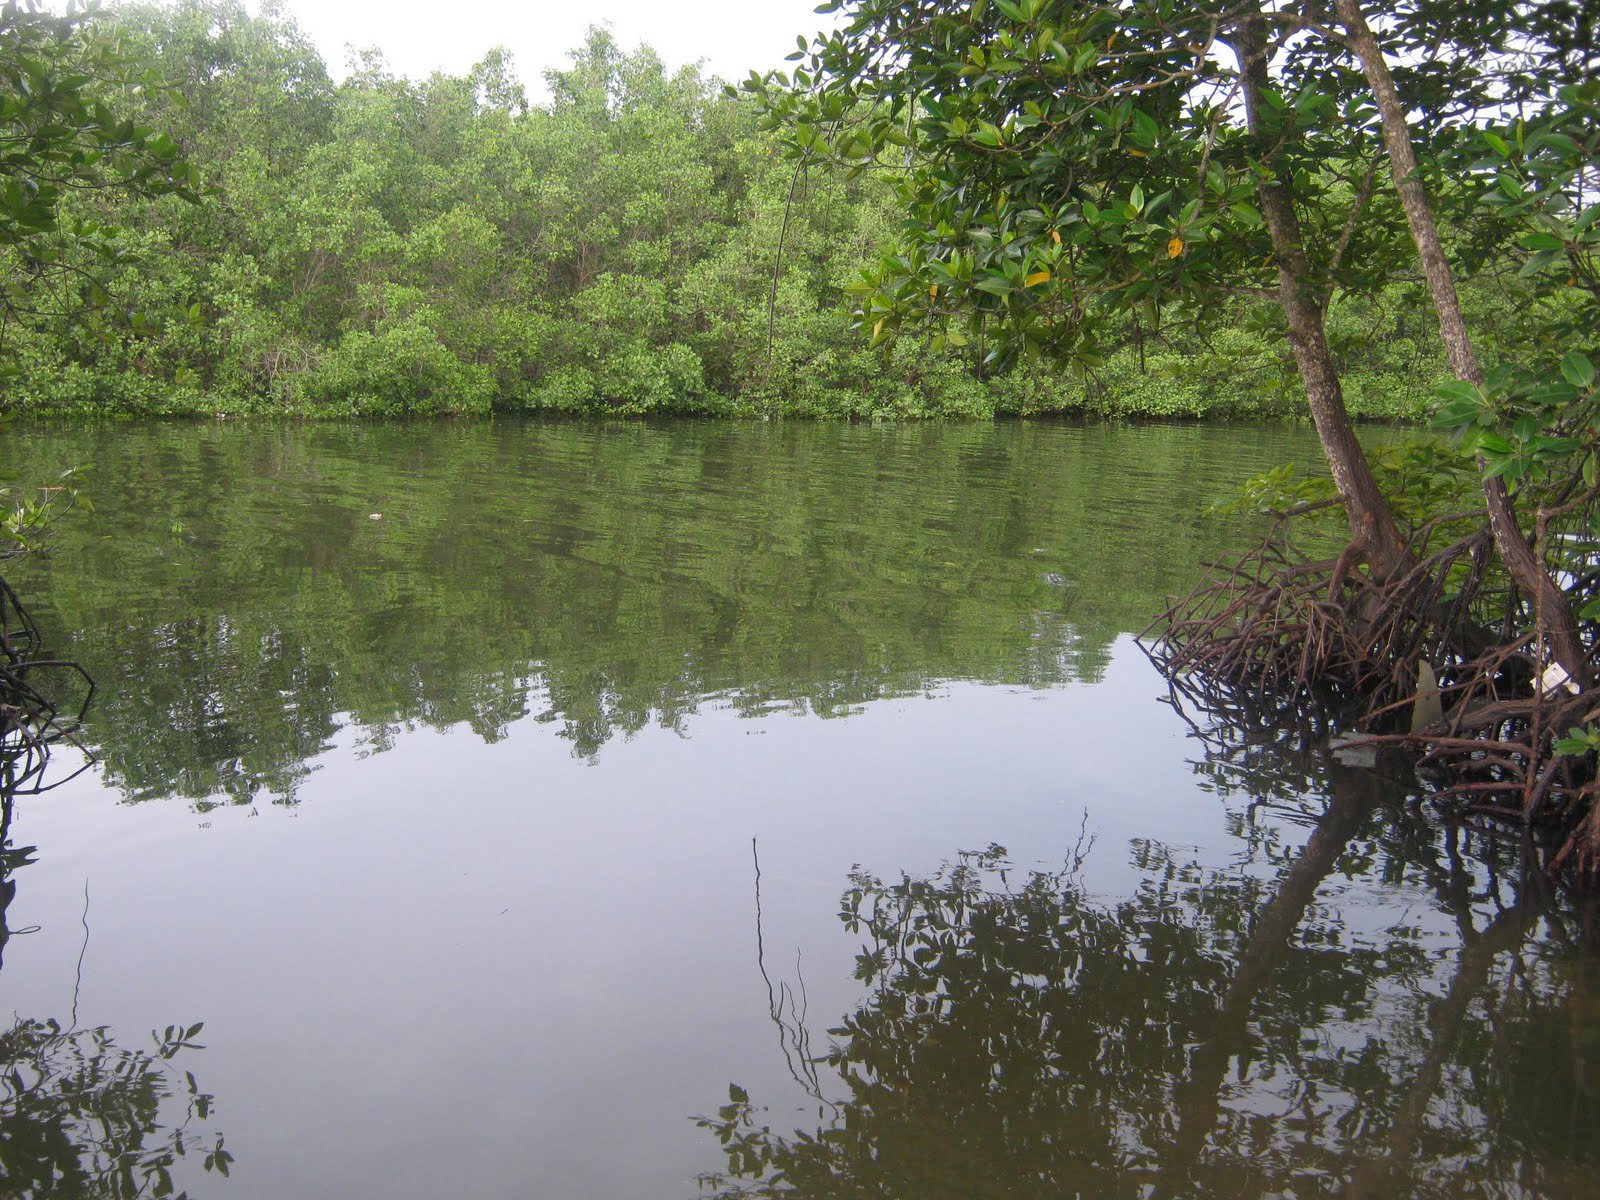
1276, 1026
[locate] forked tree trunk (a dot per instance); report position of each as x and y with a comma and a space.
1372, 526
1529, 574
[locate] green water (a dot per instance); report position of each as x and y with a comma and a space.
490, 791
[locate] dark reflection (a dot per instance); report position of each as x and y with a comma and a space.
242, 594
11, 859
1280, 1026
35, 716
81, 1115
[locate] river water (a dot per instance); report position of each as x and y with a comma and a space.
699, 809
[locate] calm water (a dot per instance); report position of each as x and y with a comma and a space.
662, 811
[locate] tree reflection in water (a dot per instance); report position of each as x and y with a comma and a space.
81, 1116
1216, 1033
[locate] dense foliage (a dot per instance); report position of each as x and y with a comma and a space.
389, 246
60, 136
1072, 167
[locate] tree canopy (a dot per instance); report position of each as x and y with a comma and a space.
66, 127
630, 242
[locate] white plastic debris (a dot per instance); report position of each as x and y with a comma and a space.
1555, 676
1355, 751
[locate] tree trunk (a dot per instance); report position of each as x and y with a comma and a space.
1372, 525
1530, 575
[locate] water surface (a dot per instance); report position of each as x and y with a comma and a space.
617, 811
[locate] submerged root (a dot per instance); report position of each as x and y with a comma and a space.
33, 715
1405, 661
1497, 757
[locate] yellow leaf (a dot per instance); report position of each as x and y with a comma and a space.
1055, 236
1137, 153
1037, 277
933, 291
877, 330
1175, 247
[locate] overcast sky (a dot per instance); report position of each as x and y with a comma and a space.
422, 36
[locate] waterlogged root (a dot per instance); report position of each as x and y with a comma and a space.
1497, 757
1403, 660
33, 718
1276, 630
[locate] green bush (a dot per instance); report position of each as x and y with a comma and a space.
404, 371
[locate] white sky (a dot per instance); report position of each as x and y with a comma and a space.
418, 37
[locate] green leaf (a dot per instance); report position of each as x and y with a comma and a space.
1560, 142
1456, 414
1509, 466
1538, 262
1494, 442
1460, 389
1579, 740
1144, 131
1553, 393
1577, 370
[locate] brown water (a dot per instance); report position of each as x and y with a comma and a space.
499, 840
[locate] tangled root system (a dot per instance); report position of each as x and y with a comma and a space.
33, 714
1408, 661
